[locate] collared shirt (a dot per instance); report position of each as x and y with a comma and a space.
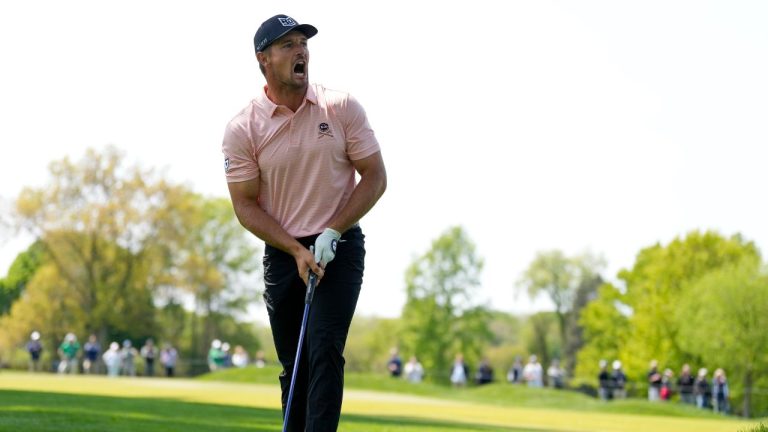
302, 160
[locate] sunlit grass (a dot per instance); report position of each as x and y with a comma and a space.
69, 404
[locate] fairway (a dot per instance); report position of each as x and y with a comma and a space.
46, 402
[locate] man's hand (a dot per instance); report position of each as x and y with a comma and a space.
305, 261
325, 246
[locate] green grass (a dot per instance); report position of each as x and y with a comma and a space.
372, 404
500, 394
759, 428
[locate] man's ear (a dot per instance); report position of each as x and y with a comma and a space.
262, 58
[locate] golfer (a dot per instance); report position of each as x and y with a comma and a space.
290, 159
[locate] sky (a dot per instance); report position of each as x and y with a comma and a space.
596, 126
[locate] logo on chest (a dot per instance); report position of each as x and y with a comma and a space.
324, 129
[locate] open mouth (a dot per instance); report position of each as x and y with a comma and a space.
300, 68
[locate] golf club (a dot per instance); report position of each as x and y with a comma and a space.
307, 301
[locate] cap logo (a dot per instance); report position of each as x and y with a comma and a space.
288, 22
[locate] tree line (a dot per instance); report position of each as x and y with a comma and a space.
122, 253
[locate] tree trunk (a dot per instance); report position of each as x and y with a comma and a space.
746, 412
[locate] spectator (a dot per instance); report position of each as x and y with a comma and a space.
127, 357
226, 355
666, 385
654, 382
91, 349
112, 359
720, 392
605, 387
260, 360
414, 372
215, 356
619, 381
459, 372
484, 373
702, 390
533, 373
149, 353
68, 354
555, 374
685, 384
394, 364
240, 357
35, 350
515, 373
168, 358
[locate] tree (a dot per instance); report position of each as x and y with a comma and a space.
215, 263
638, 319
726, 320
118, 238
605, 331
561, 279
440, 317
654, 287
19, 275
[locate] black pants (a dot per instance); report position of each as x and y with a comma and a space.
316, 404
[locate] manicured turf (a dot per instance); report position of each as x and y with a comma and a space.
69, 404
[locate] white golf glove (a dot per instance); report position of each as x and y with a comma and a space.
325, 246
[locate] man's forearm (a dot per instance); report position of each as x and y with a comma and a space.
364, 197
265, 227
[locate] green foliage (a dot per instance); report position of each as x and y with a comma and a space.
542, 338
440, 318
677, 306
565, 281
369, 342
726, 323
606, 329
20, 273
114, 241
655, 285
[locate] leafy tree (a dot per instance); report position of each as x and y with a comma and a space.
216, 263
440, 317
561, 279
726, 320
543, 338
605, 329
639, 318
654, 287
117, 239
20, 273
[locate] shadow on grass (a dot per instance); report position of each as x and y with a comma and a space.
57, 412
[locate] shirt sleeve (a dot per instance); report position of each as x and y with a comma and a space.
361, 141
240, 163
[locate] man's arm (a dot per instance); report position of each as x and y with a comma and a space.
373, 183
251, 216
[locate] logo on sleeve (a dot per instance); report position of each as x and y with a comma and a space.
226, 165
324, 129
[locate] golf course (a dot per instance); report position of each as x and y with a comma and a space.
246, 401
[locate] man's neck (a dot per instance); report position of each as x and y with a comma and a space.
290, 97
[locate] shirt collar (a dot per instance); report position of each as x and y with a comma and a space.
271, 107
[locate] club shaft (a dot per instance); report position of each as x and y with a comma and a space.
307, 301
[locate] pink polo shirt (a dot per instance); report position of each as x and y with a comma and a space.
302, 160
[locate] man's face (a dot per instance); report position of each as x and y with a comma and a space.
287, 60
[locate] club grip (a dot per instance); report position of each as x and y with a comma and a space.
311, 283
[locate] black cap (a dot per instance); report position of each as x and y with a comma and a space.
276, 27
